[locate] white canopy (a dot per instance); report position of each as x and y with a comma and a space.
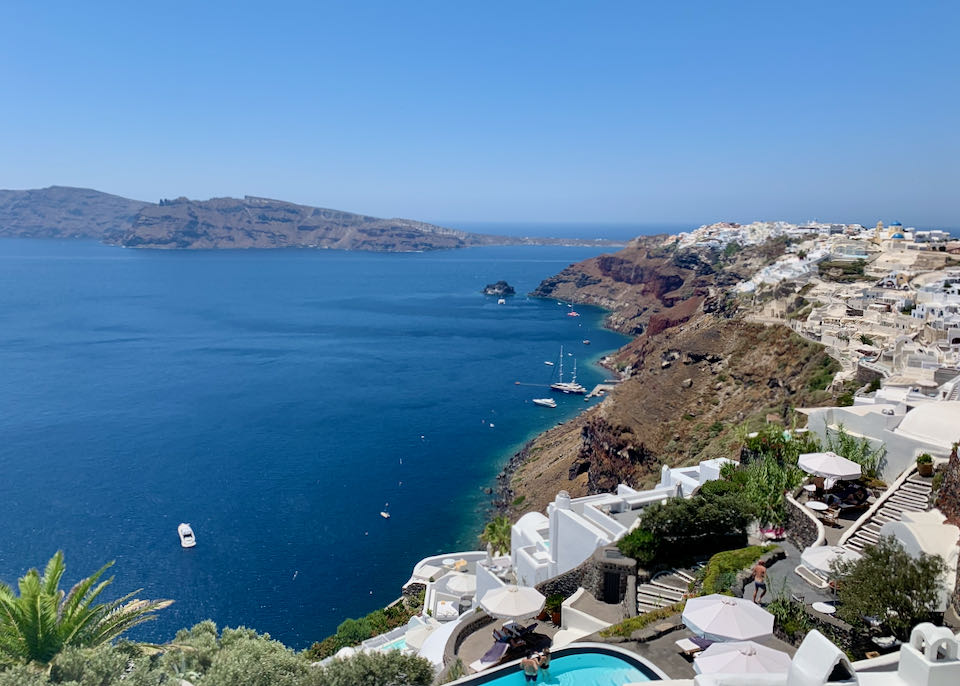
741, 657
724, 618
513, 602
818, 558
829, 464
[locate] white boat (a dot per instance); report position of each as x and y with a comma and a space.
187, 539
570, 386
545, 402
548, 363
502, 301
385, 515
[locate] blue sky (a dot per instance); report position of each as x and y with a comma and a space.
517, 111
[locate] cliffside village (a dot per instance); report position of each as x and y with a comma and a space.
884, 301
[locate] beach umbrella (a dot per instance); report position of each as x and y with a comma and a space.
818, 558
829, 464
725, 618
741, 657
513, 602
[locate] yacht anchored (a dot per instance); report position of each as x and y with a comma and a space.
570, 386
545, 402
187, 539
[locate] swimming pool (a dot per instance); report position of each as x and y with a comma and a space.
398, 644
584, 665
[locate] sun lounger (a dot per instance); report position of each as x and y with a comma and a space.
527, 630
491, 657
688, 647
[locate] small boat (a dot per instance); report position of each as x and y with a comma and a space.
502, 301
548, 363
586, 341
187, 539
385, 515
545, 402
572, 313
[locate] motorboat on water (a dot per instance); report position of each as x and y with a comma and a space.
502, 301
385, 515
548, 363
187, 539
586, 341
573, 314
545, 402
570, 386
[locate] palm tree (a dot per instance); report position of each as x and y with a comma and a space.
42, 620
497, 534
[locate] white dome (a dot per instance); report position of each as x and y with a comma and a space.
935, 423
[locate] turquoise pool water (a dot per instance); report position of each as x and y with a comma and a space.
583, 669
398, 644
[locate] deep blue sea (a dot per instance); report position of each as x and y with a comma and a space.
276, 400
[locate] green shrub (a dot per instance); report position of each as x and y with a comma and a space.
682, 529
720, 572
392, 668
924, 458
628, 626
890, 584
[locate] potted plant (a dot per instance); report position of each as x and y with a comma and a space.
925, 464
553, 605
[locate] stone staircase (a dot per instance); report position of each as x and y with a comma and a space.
913, 495
665, 588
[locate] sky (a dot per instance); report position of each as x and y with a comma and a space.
636, 112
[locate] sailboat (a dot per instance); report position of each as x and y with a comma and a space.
567, 386
384, 513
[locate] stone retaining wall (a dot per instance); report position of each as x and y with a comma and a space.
800, 529
461, 632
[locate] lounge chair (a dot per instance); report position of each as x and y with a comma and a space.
688, 647
830, 516
527, 630
491, 657
500, 636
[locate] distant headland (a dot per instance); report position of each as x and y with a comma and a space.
250, 222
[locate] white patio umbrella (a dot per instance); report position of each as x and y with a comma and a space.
513, 602
818, 558
741, 657
829, 464
417, 635
724, 618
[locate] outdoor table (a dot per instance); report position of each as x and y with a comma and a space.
448, 562
824, 608
817, 506
810, 488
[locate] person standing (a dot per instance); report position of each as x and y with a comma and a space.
530, 667
759, 581
545, 662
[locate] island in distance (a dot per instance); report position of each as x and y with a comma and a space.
250, 222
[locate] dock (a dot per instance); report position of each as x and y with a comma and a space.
599, 390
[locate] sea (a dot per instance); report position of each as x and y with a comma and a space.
277, 401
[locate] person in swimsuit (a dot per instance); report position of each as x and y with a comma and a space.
530, 667
759, 581
545, 662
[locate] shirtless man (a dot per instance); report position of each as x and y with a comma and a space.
530, 667
759, 581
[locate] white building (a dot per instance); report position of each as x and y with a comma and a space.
543, 547
907, 429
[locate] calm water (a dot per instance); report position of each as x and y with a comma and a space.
582, 669
276, 400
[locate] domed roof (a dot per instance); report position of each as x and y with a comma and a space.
933, 423
897, 235
896, 224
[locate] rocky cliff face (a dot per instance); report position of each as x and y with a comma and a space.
262, 223
694, 372
61, 212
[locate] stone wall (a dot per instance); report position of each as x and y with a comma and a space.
800, 529
948, 502
461, 633
591, 575
865, 376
